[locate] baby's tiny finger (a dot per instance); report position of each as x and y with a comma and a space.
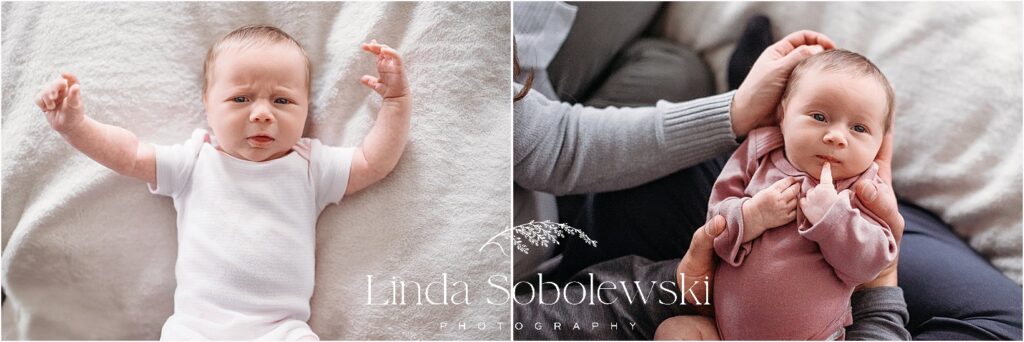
74, 98
826, 174
392, 54
48, 102
793, 188
70, 78
62, 91
791, 205
55, 85
369, 81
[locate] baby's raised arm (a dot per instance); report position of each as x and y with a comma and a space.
114, 147
383, 146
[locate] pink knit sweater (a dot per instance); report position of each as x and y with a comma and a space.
794, 281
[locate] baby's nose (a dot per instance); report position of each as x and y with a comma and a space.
261, 116
832, 138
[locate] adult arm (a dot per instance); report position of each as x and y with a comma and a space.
879, 314
566, 149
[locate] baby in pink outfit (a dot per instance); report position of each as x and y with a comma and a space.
794, 247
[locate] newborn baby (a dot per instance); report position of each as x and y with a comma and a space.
794, 248
247, 196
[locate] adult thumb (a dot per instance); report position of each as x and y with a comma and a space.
866, 191
716, 226
703, 241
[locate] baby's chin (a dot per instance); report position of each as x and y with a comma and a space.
840, 172
257, 155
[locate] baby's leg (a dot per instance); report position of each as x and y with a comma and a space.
687, 328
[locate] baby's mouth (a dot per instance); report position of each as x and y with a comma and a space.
260, 140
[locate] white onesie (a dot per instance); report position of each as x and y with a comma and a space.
246, 236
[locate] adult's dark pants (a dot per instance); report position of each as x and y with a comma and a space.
952, 292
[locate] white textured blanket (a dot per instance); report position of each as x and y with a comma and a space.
88, 254
956, 68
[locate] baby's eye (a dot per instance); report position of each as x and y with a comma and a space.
282, 100
860, 129
239, 99
818, 116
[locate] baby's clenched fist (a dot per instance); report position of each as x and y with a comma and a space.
773, 206
61, 100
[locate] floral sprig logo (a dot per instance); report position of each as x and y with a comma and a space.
541, 234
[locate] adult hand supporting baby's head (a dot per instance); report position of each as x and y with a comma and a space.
761, 91
881, 200
698, 264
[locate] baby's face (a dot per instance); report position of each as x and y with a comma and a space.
257, 101
836, 117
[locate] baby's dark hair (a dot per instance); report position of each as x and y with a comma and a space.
250, 36
845, 61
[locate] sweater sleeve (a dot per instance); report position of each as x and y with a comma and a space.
856, 246
566, 149
879, 314
727, 198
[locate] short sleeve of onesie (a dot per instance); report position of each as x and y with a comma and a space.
330, 168
174, 164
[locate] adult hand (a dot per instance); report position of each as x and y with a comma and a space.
698, 265
881, 200
761, 91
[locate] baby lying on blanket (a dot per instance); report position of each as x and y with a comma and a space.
794, 248
247, 196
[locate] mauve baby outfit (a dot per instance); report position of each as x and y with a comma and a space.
795, 280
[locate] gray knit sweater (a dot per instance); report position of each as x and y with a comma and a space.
571, 149
879, 314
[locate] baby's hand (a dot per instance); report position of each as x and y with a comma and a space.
819, 199
771, 207
61, 100
391, 83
